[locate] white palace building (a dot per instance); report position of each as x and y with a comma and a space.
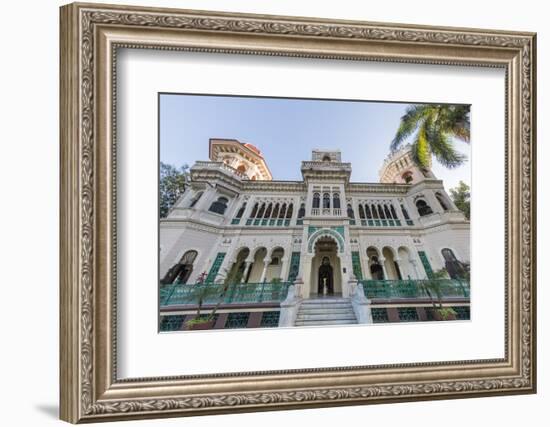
319, 251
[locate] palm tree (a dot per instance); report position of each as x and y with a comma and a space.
434, 126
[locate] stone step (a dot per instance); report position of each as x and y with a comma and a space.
327, 301
328, 310
323, 316
325, 322
324, 303
325, 311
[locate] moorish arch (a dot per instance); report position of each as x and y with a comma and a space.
325, 232
238, 264
326, 266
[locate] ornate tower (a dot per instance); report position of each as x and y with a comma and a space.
399, 168
246, 159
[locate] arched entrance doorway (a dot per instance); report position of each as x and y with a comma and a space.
180, 272
326, 278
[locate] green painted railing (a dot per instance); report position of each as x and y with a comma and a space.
191, 294
437, 288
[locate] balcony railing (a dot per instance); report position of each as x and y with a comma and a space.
220, 166
238, 293
431, 289
326, 211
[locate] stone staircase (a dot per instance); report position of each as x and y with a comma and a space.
325, 311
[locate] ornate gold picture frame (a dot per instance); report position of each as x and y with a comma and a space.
90, 387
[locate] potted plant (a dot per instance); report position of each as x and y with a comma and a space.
203, 292
432, 286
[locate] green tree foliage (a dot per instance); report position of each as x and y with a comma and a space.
173, 182
433, 128
461, 197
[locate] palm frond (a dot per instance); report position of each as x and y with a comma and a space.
410, 121
442, 147
421, 148
457, 121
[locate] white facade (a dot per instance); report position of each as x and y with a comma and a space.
242, 220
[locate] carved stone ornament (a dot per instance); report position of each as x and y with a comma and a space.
90, 36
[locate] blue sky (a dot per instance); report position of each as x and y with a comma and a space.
286, 130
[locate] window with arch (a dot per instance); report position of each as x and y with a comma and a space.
302, 211
350, 211
316, 201
195, 199
219, 206
275, 211
336, 201
368, 212
393, 213
454, 267
261, 211
423, 208
326, 158
268, 211
242, 168
387, 212
361, 212
289, 211
282, 211
405, 213
442, 201
407, 177
241, 211
381, 212
180, 272
254, 211
326, 201
374, 212
376, 270
189, 257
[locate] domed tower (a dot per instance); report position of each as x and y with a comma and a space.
399, 168
246, 159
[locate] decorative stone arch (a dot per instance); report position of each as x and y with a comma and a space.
452, 248
182, 267
257, 248
456, 267
404, 249
393, 251
325, 232
183, 251
274, 248
237, 251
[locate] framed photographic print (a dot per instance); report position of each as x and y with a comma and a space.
266, 212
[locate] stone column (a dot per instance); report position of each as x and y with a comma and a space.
267, 261
382, 262
248, 264
305, 273
347, 264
